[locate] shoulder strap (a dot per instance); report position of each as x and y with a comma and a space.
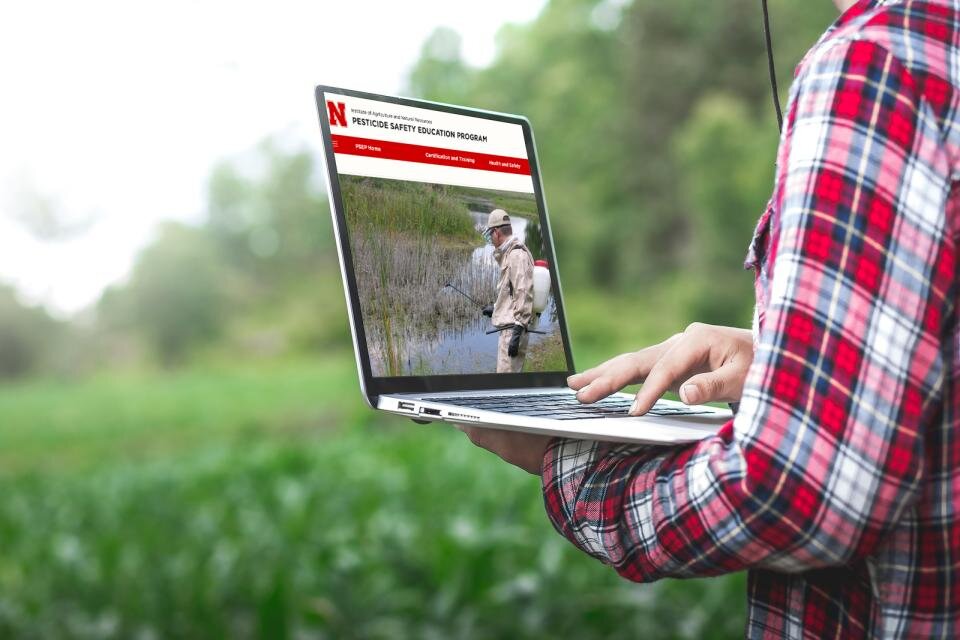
515, 245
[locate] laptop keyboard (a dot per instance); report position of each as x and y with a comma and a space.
562, 406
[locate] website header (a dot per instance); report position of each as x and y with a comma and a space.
387, 140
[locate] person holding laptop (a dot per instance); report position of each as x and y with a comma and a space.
837, 484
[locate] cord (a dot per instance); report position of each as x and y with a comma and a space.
773, 71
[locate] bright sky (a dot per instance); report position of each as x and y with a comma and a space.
116, 111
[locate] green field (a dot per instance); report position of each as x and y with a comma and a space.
269, 502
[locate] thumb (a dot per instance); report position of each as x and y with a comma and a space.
717, 385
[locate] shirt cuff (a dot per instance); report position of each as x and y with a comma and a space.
567, 464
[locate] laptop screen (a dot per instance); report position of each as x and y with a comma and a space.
450, 258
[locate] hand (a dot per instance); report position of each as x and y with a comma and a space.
524, 450
705, 362
514, 347
488, 311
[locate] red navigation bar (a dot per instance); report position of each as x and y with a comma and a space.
428, 155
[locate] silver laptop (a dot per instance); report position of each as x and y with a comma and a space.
411, 186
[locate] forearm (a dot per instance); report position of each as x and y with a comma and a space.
683, 512
570, 474
766, 493
634, 509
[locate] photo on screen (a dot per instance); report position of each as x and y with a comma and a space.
425, 271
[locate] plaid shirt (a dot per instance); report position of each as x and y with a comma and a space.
838, 482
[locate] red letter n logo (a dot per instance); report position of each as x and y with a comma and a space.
338, 113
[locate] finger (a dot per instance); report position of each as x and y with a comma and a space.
674, 366
618, 373
724, 385
582, 379
578, 380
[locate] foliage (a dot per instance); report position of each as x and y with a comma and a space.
512, 202
546, 355
611, 88
221, 504
270, 222
434, 212
245, 282
440, 69
29, 337
265, 212
175, 297
44, 216
722, 206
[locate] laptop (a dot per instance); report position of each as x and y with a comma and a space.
412, 186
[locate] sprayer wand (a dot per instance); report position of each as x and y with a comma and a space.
463, 294
511, 326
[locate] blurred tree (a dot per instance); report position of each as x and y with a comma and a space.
722, 206
250, 280
176, 297
678, 51
564, 72
43, 215
608, 86
269, 222
29, 337
441, 71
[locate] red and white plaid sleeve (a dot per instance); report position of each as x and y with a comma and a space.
827, 450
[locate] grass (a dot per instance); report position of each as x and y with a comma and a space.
404, 301
414, 209
51, 425
510, 201
268, 502
408, 240
546, 355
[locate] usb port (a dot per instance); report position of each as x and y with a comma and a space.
406, 406
430, 412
